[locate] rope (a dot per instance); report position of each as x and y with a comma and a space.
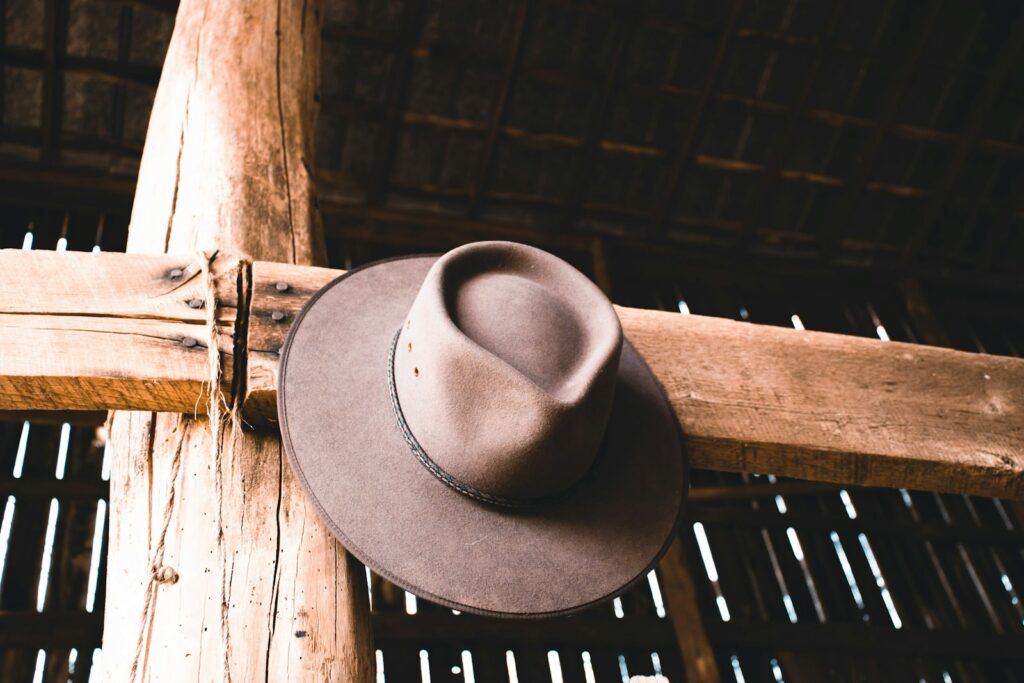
217, 407
215, 399
158, 572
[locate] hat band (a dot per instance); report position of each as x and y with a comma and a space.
446, 477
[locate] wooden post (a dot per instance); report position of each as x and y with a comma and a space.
219, 568
687, 621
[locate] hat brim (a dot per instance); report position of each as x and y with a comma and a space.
344, 443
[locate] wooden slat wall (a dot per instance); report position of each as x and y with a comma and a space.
951, 565
942, 558
942, 572
64, 624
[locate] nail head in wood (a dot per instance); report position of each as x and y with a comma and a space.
277, 316
195, 303
165, 574
175, 273
281, 286
189, 342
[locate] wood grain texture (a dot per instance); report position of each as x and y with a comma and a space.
266, 334
836, 408
749, 398
112, 327
262, 590
810, 405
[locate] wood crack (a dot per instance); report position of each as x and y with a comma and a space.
225, 624
177, 178
119, 316
241, 333
284, 138
276, 581
199, 342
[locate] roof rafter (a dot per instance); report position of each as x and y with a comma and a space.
55, 34
513, 62
97, 67
968, 144
371, 111
898, 86
395, 94
796, 110
125, 21
660, 216
624, 27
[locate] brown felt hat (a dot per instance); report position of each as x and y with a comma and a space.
475, 428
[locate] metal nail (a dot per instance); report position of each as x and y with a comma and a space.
189, 342
176, 273
277, 316
195, 303
281, 286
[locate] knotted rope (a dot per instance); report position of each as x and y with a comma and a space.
217, 407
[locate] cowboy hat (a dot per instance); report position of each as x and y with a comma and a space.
474, 428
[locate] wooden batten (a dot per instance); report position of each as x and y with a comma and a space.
756, 398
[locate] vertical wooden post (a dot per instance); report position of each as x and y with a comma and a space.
219, 568
684, 610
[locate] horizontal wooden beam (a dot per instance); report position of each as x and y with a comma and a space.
611, 148
442, 627
84, 331
104, 69
70, 489
712, 495
840, 638
33, 184
75, 418
847, 638
749, 398
865, 639
748, 517
20, 629
346, 219
828, 407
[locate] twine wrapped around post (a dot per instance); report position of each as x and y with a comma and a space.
215, 396
217, 406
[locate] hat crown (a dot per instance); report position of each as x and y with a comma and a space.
505, 369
